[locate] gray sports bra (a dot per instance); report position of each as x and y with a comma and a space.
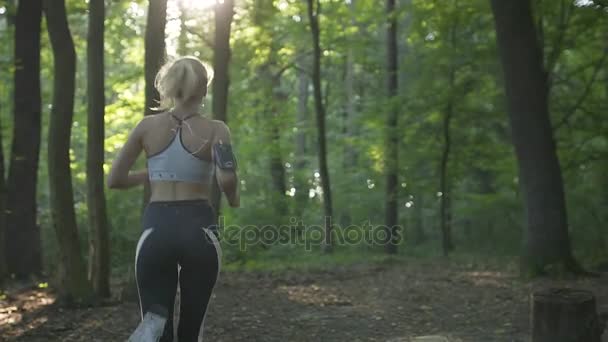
176, 163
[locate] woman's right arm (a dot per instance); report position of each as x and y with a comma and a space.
226, 175
121, 176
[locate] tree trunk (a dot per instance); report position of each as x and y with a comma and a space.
99, 240
565, 315
3, 265
300, 165
547, 240
350, 123
224, 13
60, 176
10, 20
419, 236
155, 51
392, 137
22, 233
182, 40
444, 177
277, 167
485, 180
314, 10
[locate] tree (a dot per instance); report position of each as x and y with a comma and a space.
314, 10
349, 124
74, 278
22, 237
300, 165
154, 50
10, 13
547, 240
182, 40
272, 98
224, 12
276, 167
3, 265
444, 179
154, 58
99, 241
392, 137
445, 209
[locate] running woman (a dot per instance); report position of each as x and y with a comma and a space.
185, 151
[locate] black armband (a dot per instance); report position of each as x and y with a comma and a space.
224, 157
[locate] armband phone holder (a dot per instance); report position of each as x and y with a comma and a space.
224, 157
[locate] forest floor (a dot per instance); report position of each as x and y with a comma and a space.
392, 301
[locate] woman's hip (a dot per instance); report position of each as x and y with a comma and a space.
182, 214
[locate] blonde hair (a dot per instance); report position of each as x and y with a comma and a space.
183, 79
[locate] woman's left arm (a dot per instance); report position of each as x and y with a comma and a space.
121, 176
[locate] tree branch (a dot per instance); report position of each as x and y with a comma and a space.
564, 21
206, 40
584, 94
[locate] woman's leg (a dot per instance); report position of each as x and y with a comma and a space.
156, 275
200, 268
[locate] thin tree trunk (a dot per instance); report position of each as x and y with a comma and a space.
314, 10
444, 175
485, 186
419, 235
10, 22
3, 265
277, 167
63, 215
349, 122
547, 241
22, 233
154, 58
154, 50
224, 13
392, 137
350, 131
350, 154
182, 40
99, 240
300, 164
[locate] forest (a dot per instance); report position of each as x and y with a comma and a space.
407, 168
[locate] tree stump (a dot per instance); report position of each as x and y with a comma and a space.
564, 315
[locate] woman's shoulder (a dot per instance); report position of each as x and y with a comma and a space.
149, 119
220, 125
222, 132
149, 122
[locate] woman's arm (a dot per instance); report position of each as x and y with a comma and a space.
227, 177
120, 176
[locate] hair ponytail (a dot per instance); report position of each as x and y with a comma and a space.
182, 80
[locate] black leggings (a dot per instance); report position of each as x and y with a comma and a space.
179, 241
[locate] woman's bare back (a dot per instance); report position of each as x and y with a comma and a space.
197, 135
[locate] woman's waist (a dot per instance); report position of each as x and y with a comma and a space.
187, 202
172, 191
197, 211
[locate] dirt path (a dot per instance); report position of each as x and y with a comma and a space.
356, 303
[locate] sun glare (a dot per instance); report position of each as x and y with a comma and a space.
197, 4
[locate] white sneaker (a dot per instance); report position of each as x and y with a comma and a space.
151, 327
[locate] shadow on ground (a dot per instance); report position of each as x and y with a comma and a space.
396, 302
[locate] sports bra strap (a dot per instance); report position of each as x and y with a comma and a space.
181, 120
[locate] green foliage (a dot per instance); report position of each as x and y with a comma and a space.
271, 43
